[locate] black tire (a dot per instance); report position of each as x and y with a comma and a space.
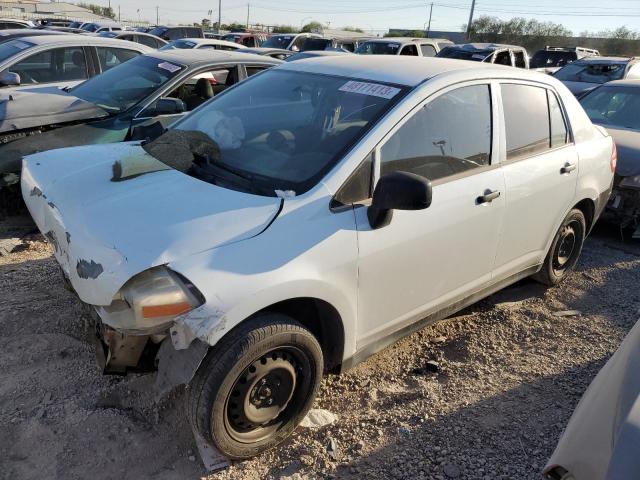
565, 249
270, 360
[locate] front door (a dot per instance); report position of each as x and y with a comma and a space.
426, 259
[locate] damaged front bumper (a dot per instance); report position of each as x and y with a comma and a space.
624, 205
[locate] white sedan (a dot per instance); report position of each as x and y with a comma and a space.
312, 215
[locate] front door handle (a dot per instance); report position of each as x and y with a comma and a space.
568, 168
488, 196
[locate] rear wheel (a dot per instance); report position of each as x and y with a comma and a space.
255, 386
565, 249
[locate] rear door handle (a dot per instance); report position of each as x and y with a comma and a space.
568, 168
488, 197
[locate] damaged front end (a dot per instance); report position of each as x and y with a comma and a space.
624, 204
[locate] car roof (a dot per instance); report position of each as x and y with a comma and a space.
74, 39
634, 83
406, 40
398, 69
25, 32
196, 56
206, 41
265, 50
594, 59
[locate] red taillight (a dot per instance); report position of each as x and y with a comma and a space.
614, 158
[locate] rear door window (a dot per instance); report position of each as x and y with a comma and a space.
526, 118
447, 136
55, 65
503, 58
110, 57
518, 56
559, 133
428, 50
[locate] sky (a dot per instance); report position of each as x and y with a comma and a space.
380, 15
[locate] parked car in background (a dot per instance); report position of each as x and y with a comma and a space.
217, 36
418, 47
76, 25
331, 43
551, 59
102, 26
616, 106
53, 22
175, 33
137, 37
244, 248
278, 53
602, 438
247, 39
198, 43
508, 55
315, 54
589, 72
11, 23
61, 60
6, 35
64, 29
157, 87
289, 41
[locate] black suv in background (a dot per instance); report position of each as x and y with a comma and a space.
176, 33
552, 59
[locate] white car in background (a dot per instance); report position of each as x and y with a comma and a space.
188, 43
312, 215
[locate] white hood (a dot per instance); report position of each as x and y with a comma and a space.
105, 231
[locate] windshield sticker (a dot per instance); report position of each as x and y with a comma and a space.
477, 56
373, 89
169, 67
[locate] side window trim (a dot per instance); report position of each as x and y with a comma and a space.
494, 158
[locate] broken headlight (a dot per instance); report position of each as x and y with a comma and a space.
630, 182
150, 301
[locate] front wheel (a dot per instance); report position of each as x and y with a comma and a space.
256, 385
565, 249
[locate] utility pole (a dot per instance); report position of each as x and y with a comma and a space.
430, 13
157, 15
248, 6
118, 13
473, 6
219, 15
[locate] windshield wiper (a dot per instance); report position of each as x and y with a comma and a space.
208, 161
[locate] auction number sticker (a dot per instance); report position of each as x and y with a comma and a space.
366, 88
170, 67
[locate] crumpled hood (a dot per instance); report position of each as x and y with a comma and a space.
112, 211
628, 145
580, 88
36, 107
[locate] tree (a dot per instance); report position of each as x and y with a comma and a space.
312, 27
409, 33
98, 10
284, 29
353, 29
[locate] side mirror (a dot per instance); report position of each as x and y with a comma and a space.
169, 106
9, 79
398, 191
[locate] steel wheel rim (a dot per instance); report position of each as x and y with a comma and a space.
266, 395
566, 247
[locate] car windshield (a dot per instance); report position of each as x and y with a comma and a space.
178, 44
11, 48
315, 44
92, 27
550, 58
278, 41
464, 54
378, 48
125, 85
591, 72
158, 31
283, 130
108, 34
614, 106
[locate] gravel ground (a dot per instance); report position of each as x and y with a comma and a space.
509, 374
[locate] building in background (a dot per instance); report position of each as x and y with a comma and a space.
33, 9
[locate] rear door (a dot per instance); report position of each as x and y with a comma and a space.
426, 259
540, 170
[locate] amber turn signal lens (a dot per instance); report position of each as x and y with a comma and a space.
173, 309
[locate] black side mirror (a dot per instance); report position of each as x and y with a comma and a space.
398, 191
169, 106
9, 79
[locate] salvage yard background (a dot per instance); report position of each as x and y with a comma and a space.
510, 370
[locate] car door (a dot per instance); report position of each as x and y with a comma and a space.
426, 259
540, 170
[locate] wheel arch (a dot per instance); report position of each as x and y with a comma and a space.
588, 208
